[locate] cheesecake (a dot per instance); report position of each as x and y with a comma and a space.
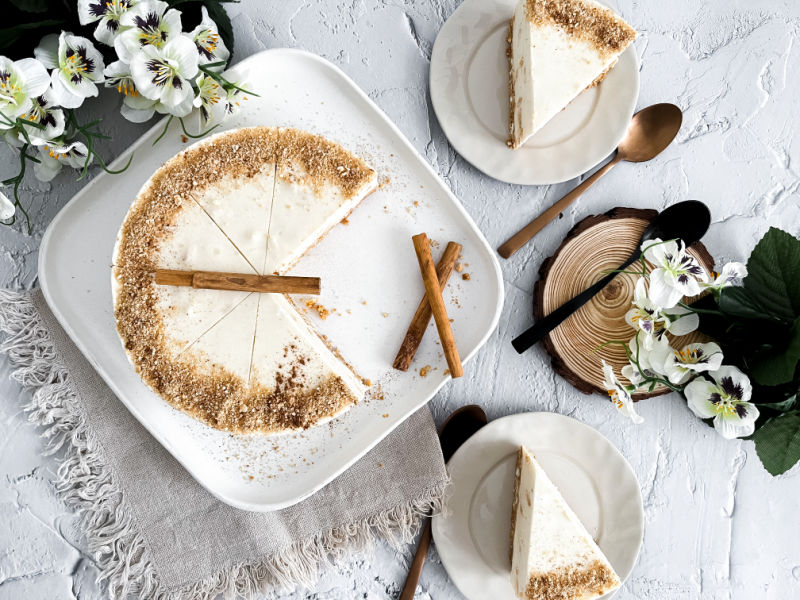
553, 557
556, 50
254, 201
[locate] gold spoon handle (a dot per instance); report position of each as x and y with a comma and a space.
416, 566
524, 235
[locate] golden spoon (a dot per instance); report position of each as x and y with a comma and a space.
650, 131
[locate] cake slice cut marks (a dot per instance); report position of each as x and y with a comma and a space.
553, 557
557, 49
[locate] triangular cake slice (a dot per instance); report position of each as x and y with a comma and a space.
557, 49
553, 557
318, 184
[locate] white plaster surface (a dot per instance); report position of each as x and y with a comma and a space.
717, 526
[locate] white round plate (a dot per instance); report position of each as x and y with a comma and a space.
469, 91
472, 533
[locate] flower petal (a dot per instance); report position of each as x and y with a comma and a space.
35, 76
662, 292
731, 427
182, 50
733, 382
7, 208
698, 397
47, 51
62, 95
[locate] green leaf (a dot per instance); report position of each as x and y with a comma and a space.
778, 367
9, 36
778, 442
32, 6
773, 280
783, 406
735, 301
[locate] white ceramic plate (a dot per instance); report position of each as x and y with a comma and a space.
371, 279
594, 478
469, 91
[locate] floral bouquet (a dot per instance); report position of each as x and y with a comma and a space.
145, 53
745, 382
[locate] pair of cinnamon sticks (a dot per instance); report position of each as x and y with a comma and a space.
432, 304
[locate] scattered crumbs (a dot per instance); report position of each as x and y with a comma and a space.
185, 139
451, 320
321, 310
380, 465
423, 372
385, 315
385, 415
250, 477
384, 181
416, 202
364, 302
459, 267
367, 382
345, 221
465, 277
348, 311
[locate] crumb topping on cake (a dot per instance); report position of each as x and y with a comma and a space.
565, 583
596, 24
208, 391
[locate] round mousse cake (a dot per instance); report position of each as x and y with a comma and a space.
251, 201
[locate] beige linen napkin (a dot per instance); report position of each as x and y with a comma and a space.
154, 531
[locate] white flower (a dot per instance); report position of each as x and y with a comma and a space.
77, 67
149, 23
650, 359
209, 98
20, 82
726, 399
209, 44
108, 12
732, 274
48, 117
7, 208
681, 364
676, 274
230, 103
54, 156
650, 319
164, 74
619, 394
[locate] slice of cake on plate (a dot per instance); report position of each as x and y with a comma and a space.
553, 557
557, 49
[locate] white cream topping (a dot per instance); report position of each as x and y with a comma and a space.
241, 208
548, 534
282, 337
229, 343
301, 216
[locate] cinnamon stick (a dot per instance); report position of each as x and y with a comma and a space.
434, 294
423, 314
241, 282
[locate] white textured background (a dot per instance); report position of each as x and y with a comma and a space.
717, 525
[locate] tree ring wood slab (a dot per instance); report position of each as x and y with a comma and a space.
596, 244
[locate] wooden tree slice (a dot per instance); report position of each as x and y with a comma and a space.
597, 244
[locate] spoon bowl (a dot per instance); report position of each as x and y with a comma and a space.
650, 132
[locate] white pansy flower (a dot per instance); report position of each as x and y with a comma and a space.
651, 320
135, 107
53, 156
7, 208
231, 101
731, 274
49, 118
108, 12
680, 365
210, 46
149, 23
209, 98
676, 274
726, 400
164, 74
77, 67
20, 82
619, 394
646, 361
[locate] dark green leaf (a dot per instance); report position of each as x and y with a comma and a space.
773, 280
778, 442
778, 366
32, 6
735, 301
783, 406
11, 35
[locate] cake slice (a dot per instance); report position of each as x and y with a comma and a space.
318, 183
553, 557
557, 49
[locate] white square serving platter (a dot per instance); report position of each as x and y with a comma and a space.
371, 286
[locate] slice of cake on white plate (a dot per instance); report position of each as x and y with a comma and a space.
553, 557
557, 49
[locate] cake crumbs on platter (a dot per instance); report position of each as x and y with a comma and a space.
321, 310
459, 267
465, 277
423, 372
